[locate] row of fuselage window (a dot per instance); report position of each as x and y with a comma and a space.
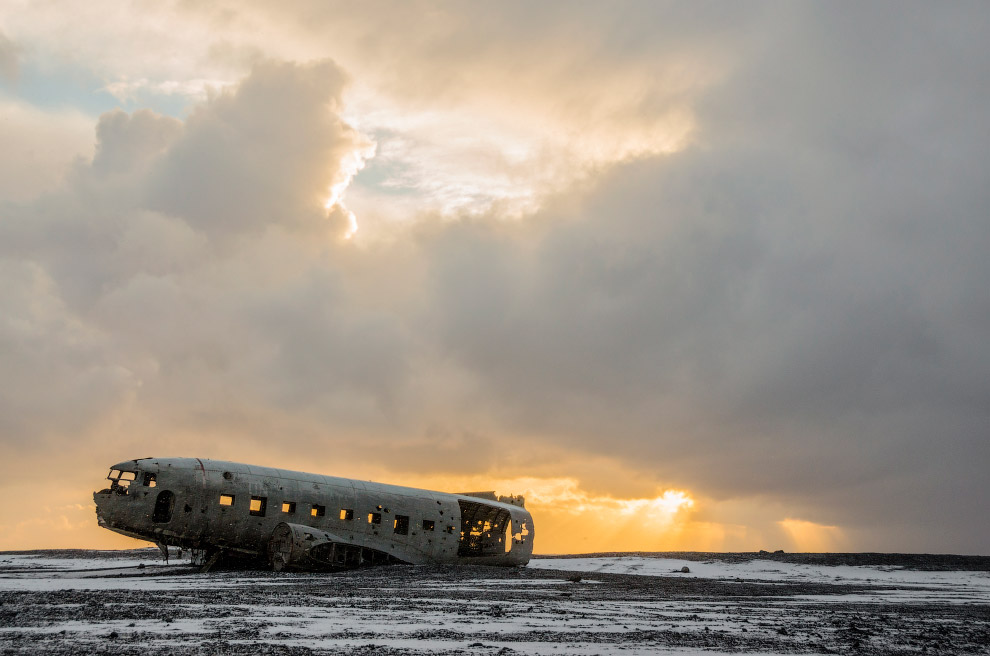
400, 524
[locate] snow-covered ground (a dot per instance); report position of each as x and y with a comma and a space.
622, 605
892, 582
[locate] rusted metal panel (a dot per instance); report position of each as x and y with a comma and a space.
292, 520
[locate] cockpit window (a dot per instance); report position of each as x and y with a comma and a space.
121, 480
149, 480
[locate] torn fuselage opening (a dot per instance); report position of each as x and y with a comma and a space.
483, 529
305, 548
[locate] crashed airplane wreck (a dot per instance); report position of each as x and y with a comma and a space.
306, 522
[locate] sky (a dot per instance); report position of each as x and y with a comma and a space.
688, 275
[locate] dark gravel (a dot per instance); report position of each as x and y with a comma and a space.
481, 610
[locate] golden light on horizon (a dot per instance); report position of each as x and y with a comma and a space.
568, 518
812, 537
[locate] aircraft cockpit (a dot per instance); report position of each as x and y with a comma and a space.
121, 480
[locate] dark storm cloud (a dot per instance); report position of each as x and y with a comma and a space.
793, 307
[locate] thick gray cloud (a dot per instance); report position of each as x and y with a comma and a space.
794, 307
8, 59
263, 154
190, 260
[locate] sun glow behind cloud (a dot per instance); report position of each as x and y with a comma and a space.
350, 164
456, 162
572, 519
504, 140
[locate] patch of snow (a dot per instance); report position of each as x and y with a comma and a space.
961, 586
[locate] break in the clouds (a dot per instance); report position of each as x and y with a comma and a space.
737, 251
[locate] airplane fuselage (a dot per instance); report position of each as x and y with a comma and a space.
295, 520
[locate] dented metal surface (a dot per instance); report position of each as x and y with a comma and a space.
298, 521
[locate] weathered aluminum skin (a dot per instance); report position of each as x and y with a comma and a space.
181, 507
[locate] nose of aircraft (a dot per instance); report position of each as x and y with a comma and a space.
100, 499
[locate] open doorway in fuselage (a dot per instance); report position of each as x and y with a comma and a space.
484, 530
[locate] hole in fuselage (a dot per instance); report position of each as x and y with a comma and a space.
163, 507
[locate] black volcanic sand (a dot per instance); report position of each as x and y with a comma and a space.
919, 562
491, 610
